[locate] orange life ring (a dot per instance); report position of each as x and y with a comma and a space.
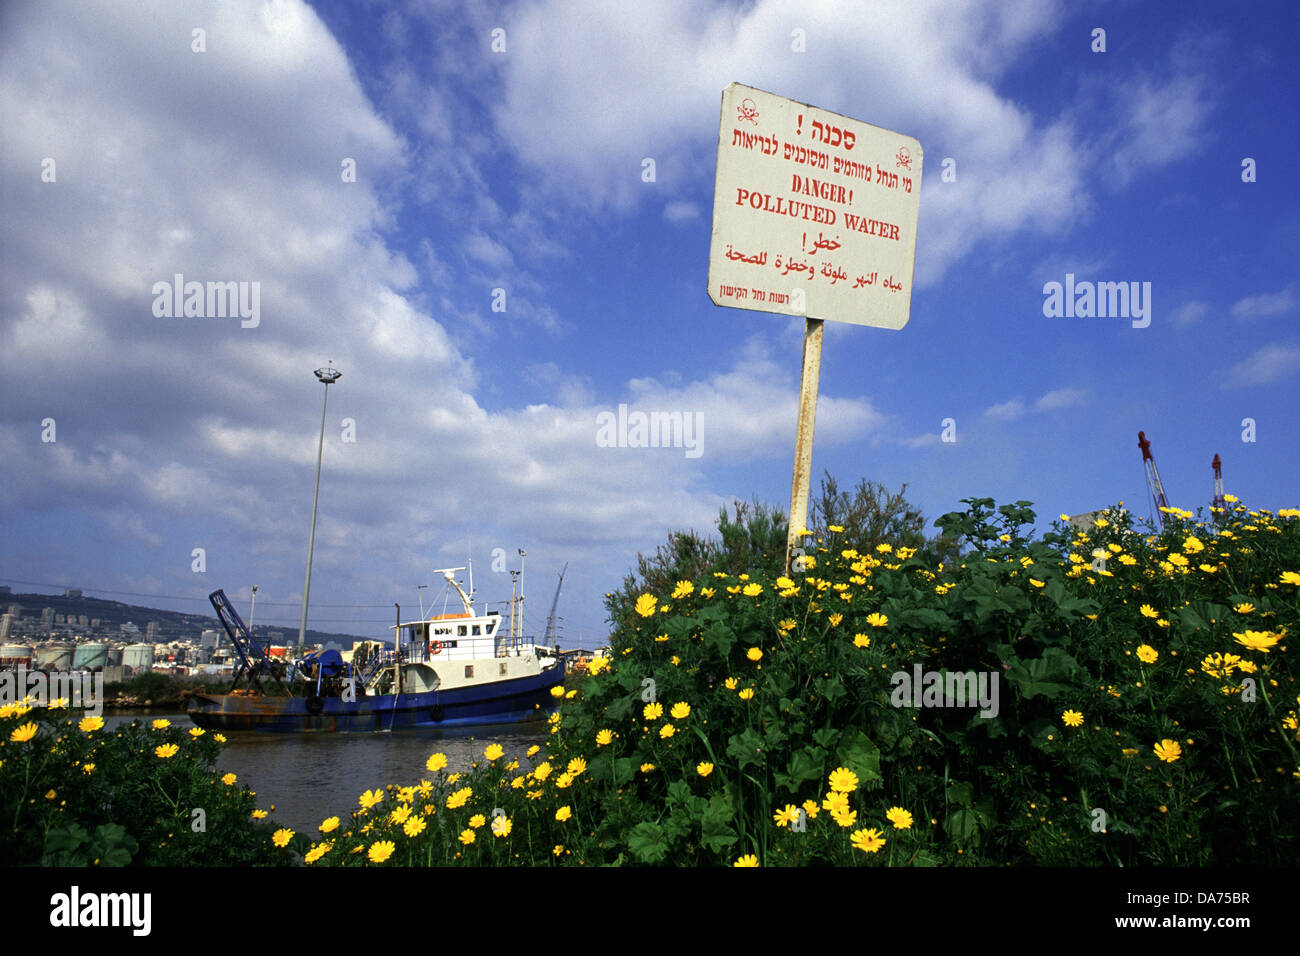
435, 647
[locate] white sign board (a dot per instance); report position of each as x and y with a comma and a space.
814, 214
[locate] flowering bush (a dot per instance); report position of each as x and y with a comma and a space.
1146, 713
73, 793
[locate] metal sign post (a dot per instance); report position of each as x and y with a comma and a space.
803, 439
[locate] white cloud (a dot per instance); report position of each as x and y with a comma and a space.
1061, 398
678, 211
1265, 365
1189, 313
1005, 411
1263, 304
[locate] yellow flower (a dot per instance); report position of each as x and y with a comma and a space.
1037, 583
259, 814
576, 766
653, 711
748, 859
564, 781
681, 710
23, 734
219, 738
1290, 577
229, 779
884, 548
900, 818
603, 737
401, 814
647, 767
1147, 654
683, 589
166, 750
329, 826
835, 619
282, 837
752, 589
493, 752
1261, 641
414, 826
533, 750
869, 841
559, 849
563, 813
746, 693
557, 691
597, 665
845, 818
843, 780
836, 802
861, 640
730, 683
667, 730
786, 815
787, 625
754, 654
1244, 608
89, 725
1072, 718
477, 820
197, 732
708, 592
1148, 611
877, 620
51, 794
88, 768
371, 798
436, 763
1168, 750
466, 837
704, 768
161, 723
381, 851
645, 605
501, 826
459, 798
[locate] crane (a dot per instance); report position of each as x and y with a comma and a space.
1156, 489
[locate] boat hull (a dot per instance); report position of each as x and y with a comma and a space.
499, 702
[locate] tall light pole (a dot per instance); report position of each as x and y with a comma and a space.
329, 376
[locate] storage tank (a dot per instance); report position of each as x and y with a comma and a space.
55, 656
138, 657
16, 655
114, 657
90, 656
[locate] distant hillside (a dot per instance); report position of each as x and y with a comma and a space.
172, 625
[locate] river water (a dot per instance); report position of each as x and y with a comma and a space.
309, 777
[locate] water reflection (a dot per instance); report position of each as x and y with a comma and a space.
309, 777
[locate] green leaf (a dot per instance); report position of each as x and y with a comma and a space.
716, 832
647, 842
746, 749
859, 754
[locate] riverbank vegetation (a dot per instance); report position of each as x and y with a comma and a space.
990, 696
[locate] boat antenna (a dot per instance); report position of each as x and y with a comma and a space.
469, 560
522, 554
419, 590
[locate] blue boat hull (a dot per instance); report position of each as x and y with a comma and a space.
500, 702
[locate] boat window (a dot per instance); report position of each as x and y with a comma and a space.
492, 627
503, 668
477, 630
469, 670
462, 630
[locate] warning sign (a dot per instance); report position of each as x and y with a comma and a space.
814, 214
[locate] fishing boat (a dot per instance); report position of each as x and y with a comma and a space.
447, 670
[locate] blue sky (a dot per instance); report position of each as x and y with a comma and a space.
520, 169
